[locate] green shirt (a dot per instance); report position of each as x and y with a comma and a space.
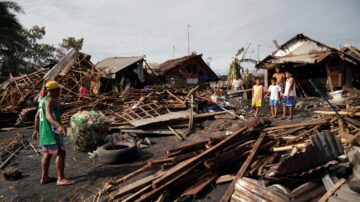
48, 134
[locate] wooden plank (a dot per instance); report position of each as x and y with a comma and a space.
352, 121
289, 147
337, 185
226, 197
160, 161
130, 175
303, 134
137, 194
225, 179
197, 159
343, 113
293, 125
156, 191
174, 96
194, 190
137, 185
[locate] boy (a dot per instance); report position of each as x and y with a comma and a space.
289, 94
257, 95
274, 90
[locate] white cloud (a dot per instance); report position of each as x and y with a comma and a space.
218, 28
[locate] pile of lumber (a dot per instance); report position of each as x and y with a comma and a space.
273, 154
193, 166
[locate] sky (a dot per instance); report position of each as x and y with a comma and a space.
218, 28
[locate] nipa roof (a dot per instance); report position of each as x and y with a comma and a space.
110, 66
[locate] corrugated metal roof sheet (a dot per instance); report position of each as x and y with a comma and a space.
110, 66
299, 49
64, 64
324, 148
247, 189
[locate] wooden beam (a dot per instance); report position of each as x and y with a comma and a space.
293, 125
337, 185
197, 159
200, 185
343, 113
226, 197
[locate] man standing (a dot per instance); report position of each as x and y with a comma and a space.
237, 83
49, 126
289, 94
280, 78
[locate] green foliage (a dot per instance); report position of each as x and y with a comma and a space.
67, 44
21, 50
235, 68
37, 54
11, 39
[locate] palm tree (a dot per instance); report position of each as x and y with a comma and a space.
11, 38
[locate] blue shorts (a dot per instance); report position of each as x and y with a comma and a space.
288, 101
273, 102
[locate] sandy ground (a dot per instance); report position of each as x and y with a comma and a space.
90, 175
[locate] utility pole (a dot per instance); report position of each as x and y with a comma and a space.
173, 52
188, 29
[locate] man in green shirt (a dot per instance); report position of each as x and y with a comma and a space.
48, 125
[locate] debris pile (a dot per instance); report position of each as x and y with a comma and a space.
10, 148
281, 161
88, 130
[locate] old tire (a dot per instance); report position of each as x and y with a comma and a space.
118, 153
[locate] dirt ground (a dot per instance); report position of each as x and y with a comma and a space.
90, 175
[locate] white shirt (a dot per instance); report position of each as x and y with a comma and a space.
237, 83
274, 92
288, 91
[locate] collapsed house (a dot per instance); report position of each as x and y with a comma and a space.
186, 71
330, 68
20, 94
116, 72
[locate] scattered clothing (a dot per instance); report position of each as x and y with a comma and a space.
83, 91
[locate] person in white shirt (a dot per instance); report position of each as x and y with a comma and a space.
237, 83
274, 90
289, 94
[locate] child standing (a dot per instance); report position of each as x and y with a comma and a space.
257, 95
274, 90
289, 94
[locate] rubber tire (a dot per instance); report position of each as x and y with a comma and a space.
114, 156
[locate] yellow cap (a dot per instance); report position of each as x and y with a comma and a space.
51, 85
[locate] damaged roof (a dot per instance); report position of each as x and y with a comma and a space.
180, 62
301, 50
352, 51
110, 66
